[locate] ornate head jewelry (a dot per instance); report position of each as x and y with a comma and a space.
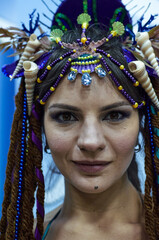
85, 59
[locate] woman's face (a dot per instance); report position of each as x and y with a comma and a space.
91, 132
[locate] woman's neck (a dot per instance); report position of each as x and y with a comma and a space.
121, 202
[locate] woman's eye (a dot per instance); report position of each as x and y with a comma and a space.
64, 117
116, 116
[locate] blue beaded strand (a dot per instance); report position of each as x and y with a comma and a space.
21, 166
152, 148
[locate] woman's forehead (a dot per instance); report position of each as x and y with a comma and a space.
100, 90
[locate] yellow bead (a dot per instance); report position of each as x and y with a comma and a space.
48, 67
120, 88
136, 83
61, 75
38, 80
121, 67
61, 58
85, 25
107, 40
100, 56
135, 105
42, 103
110, 72
52, 89
95, 49
74, 50
69, 59
83, 40
144, 103
108, 55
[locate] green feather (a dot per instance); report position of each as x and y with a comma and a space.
118, 27
83, 18
56, 33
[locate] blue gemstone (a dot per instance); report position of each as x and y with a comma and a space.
101, 72
72, 76
86, 79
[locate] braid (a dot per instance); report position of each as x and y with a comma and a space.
152, 168
37, 152
7, 223
30, 177
149, 218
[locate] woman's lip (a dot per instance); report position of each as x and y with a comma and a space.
91, 166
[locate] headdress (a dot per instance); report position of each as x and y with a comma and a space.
85, 56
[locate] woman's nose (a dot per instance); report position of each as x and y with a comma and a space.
91, 137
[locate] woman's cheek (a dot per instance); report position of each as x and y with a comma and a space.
126, 141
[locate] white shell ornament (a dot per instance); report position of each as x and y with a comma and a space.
143, 41
30, 73
30, 48
139, 71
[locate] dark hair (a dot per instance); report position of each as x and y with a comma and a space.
114, 47
32, 175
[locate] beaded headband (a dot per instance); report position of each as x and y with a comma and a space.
85, 57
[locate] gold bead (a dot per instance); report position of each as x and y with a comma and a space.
42, 103
136, 83
61, 58
108, 55
135, 105
110, 72
144, 103
48, 67
38, 80
52, 89
74, 50
120, 88
83, 40
121, 67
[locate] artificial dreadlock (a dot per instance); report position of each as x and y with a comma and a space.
28, 171
24, 175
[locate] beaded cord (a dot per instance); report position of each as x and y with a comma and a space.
23, 152
152, 145
52, 88
120, 88
60, 18
49, 67
136, 83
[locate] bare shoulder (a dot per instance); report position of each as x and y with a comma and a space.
49, 216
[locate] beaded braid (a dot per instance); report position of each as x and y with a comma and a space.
151, 198
155, 163
148, 201
22, 178
36, 136
7, 224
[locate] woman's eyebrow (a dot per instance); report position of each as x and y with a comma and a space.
64, 106
115, 105
73, 108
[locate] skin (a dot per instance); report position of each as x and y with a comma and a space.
98, 125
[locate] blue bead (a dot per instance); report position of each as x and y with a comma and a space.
71, 76
86, 79
101, 72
